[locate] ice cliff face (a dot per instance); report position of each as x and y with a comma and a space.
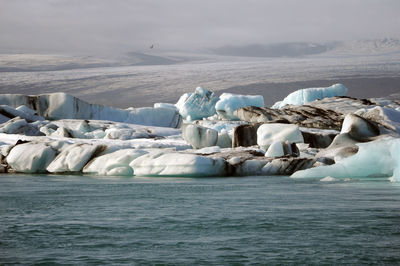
56, 106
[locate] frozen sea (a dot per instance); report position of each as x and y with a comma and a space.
197, 221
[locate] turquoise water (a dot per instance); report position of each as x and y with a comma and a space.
220, 221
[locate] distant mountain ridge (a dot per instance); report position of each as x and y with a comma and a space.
297, 49
369, 46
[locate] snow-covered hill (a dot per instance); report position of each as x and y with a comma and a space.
377, 46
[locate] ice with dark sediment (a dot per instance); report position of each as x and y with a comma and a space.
335, 137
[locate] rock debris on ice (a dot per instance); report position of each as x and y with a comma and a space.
314, 133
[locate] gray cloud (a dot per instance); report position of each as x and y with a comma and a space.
89, 26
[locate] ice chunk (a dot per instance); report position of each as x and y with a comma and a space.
328, 179
162, 117
286, 166
224, 140
305, 96
165, 105
388, 117
250, 167
359, 128
198, 136
182, 100
197, 105
25, 109
22, 111
30, 157
115, 163
270, 133
124, 133
229, 102
73, 158
375, 158
178, 164
275, 150
20, 126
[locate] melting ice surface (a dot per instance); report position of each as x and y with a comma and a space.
375, 158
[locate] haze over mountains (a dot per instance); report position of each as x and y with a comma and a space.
44, 62
369, 68
295, 49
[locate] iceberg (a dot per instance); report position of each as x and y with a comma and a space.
59, 105
229, 102
178, 164
73, 158
373, 159
30, 157
270, 133
305, 96
197, 105
30, 144
114, 164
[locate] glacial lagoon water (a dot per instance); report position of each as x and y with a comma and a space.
196, 221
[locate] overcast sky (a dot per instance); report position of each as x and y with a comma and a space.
88, 26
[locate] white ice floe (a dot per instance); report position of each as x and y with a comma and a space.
177, 164
114, 164
197, 105
229, 102
305, 96
30, 157
275, 132
73, 158
375, 158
